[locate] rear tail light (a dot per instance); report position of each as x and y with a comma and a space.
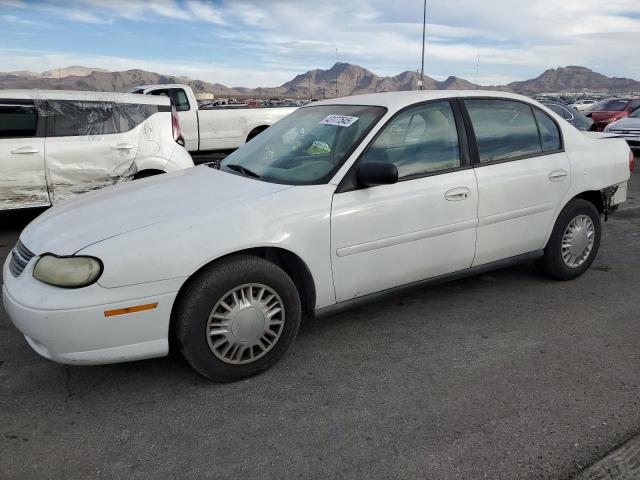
632, 161
175, 127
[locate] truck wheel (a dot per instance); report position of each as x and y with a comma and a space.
237, 318
574, 242
147, 173
255, 132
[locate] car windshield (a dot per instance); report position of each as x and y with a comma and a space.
635, 113
611, 105
306, 147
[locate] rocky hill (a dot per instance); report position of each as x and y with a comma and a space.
347, 78
103, 81
574, 79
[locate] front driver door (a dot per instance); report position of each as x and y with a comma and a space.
422, 226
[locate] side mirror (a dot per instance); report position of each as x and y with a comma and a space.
370, 174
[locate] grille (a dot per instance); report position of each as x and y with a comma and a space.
20, 256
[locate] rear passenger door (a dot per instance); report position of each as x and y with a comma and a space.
90, 145
523, 173
22, 175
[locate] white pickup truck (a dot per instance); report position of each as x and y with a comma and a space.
216, 128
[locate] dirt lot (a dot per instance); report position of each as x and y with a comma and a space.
507, 375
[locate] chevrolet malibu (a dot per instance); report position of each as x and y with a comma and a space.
337, 204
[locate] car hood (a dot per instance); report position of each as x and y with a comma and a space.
626, 124
95, 216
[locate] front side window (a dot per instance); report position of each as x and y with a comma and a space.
18, 120
504, 129
306, 147
549, 132
419, 141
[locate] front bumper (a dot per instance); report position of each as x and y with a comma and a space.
69, 325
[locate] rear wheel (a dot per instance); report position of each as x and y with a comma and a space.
237, 318
574, 242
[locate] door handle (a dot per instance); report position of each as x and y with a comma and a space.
24, 150
558, 175
122, 146
457, 194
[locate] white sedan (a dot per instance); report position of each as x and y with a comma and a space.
336, 204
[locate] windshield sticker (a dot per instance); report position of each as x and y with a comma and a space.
339, 120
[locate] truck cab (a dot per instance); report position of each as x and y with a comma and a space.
216, 127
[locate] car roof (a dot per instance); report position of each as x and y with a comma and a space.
115, 97
397, 100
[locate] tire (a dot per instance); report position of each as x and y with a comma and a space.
147, 174
210, 291
255, 132
553, 262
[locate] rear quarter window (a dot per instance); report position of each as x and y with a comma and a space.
79, 118
549, 132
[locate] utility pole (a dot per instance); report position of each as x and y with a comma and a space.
310, 95
478, 73
424, 30
336, 72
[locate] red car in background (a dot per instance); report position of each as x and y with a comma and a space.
606, 111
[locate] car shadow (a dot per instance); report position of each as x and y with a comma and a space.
173, 371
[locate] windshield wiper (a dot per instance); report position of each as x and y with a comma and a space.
243, 170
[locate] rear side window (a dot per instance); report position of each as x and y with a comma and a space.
180, 99
177, 96
18, 120
504, 129
549, 132
79, 118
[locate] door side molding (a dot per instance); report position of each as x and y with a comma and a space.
468, 272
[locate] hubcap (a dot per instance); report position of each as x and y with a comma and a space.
577, 242
245, 323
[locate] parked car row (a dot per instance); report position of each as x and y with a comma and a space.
629, 128
611, 110
338, 203
617, 115
571, 115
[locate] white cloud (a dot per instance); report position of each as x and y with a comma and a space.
268, 39
168, 8
204, 11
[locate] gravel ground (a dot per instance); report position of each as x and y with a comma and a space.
507, 375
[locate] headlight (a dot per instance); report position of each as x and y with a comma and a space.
67, 272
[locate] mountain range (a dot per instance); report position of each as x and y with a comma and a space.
340, 80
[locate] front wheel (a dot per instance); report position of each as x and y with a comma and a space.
237, 318
574, 242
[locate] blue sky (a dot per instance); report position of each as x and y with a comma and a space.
265, 43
